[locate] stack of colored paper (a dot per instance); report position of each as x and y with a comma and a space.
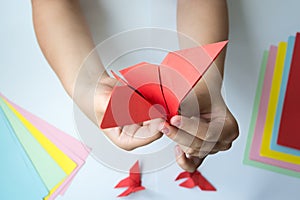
274, 138
38, 161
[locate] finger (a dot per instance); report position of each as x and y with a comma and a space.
200, 128
137, 136
220, 128
149, 129
194, 126
188, 150
113, 133
224, 146
187, 164
180, 136
133, 136
153, 124
143, 137
129, 130
150, 126
198, 153
230, 130
194, 143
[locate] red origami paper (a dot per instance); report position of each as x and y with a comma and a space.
288, 134
133, 182
195, 179
155, 91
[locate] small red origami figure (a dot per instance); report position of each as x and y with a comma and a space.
133, 182
195, 179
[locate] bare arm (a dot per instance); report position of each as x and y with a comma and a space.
65, 40
203, 21
64, 37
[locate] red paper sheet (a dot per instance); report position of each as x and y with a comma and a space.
289, 134
152, 91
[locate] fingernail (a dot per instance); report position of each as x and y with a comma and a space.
163, 128
176, 122
177, 151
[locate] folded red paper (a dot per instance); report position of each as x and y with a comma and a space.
195, 179
155, 91
133, 182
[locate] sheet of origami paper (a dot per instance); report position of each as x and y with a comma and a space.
252, 156
48, 169
18, 175
133, 182
155, 91
285, 75
288, 134
70, 142
195, 179
271, 112
60, 157
69, 145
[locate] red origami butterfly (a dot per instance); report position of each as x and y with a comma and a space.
133, 182
195, 179
155, 91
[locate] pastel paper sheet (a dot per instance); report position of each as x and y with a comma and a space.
285, 75
133, 182
155, 91
252, 156
69, 145
58, 156
288, 131
48, 169
18, 175
271, 112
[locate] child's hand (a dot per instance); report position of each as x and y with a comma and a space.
127, 137
207, 130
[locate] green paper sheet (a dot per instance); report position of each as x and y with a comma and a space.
253, 123
48, 169
19, 179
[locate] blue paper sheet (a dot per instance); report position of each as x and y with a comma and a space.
45, 165
19, 179
285, 76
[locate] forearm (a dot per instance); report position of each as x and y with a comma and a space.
64, 38
205, 21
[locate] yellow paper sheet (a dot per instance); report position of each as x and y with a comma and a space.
271, 112
67, 164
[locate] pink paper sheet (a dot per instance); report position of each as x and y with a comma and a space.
69, 145
261, 117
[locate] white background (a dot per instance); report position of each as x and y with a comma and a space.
26, 78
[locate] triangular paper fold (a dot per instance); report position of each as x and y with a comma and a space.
156, 91
127, 107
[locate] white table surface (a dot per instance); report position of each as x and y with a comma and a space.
26, 78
